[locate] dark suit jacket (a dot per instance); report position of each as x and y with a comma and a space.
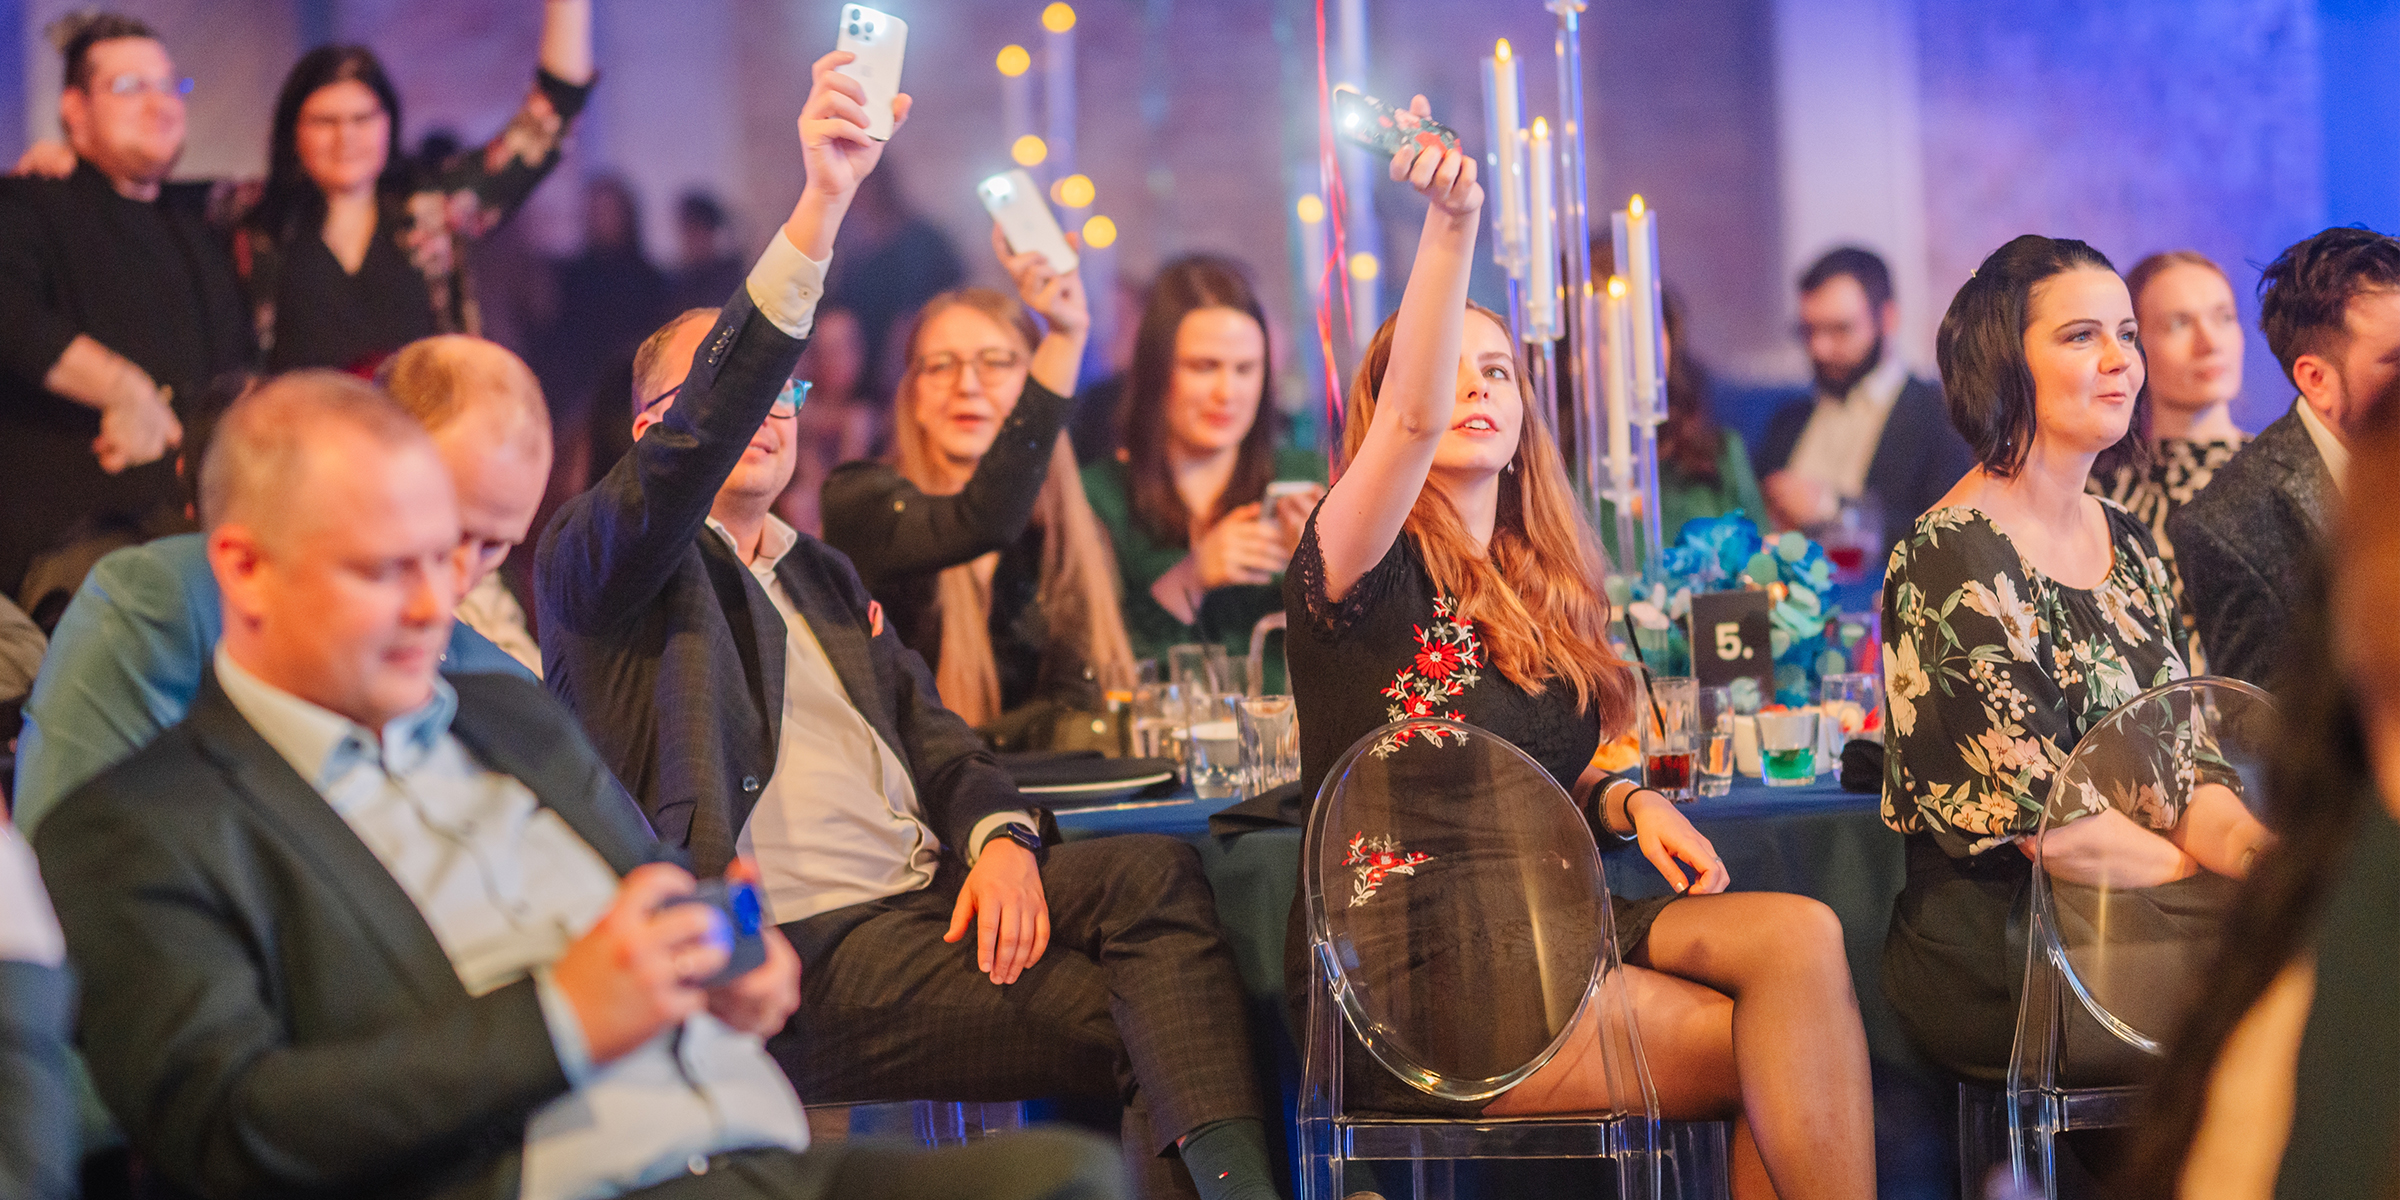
668, 649
2242, 546
1919, 458
264, 1009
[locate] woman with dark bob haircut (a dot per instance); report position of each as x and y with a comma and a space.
2018, 612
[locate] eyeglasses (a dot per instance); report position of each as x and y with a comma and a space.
991, 366
130, 85
787, 402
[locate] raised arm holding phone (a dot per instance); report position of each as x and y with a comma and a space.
1455, 525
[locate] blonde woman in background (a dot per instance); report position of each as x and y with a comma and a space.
977, 539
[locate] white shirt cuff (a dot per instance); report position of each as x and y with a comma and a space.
566, 1029
786, 285
28, 928
983, 829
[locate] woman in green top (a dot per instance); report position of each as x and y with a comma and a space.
1703, 468
1201, 550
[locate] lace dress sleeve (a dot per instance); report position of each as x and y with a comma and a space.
1304, 593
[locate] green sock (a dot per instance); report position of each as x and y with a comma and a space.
1228, 1160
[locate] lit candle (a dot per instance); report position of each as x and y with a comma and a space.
1503, 102
1541, 242
1649, 326
1619, 324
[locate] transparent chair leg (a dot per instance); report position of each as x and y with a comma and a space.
1434, 1178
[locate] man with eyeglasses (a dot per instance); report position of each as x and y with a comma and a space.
116, 298
736, 676
1869, 432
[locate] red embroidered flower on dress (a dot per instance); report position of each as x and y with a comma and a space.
1375, 860
1444, 667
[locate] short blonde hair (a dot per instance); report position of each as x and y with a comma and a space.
439, 379
258, 457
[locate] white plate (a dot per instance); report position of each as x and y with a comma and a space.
1105, 789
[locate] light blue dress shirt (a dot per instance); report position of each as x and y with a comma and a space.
125, 664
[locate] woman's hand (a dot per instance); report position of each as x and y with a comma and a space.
1667, 839
1058, 298
2107, 849
1240, 549
1291, 515
1446, 178
46, 159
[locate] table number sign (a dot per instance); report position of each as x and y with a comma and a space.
1729, 639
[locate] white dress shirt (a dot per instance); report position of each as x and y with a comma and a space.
838, 822
2329, 447
1838, 444
490, 609
506, 885
28, 928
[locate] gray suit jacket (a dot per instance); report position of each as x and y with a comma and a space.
37, 1083
2244, 545
264, 1010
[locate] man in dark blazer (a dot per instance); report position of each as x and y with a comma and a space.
2330, 307
356, 929
117, 299
1868, 427
740, 681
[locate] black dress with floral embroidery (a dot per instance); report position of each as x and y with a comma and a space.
1396, 647
1992, 673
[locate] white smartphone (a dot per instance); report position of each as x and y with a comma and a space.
1016, 204
879, 39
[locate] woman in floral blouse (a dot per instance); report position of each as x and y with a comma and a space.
351, 249
2021, 611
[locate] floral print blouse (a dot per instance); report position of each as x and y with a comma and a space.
1993, 671
2152, 494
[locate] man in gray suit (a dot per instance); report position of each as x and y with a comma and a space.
2330, 307
354, 928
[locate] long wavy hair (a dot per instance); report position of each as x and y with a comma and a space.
290, 198
1534, 592
2319, 788
1077, 591
1183, 287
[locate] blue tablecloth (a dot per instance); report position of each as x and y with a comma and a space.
1815, 841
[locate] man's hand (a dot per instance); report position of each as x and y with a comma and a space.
762, 1000
46, 159
1666, 836
1795, 501
1003, 896
136, 428
629, 975
833, 128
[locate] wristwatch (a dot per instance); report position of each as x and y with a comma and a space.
1019, 834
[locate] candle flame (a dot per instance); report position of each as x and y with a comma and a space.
1636, 208
1501, 51
1014, 61
1616, 287
1541, 129
1059, 18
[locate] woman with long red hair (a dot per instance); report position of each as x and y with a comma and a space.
1454, 530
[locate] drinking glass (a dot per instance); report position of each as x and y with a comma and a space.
1197, 666
1787, 741
1851, 707
1270, 728
1213, 747
1230, 676
1670, 726
1712, 775
1158, 722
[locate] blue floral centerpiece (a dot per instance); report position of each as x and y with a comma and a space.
1727, 553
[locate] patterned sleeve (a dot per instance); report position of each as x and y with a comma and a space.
1978, 725
1304, 589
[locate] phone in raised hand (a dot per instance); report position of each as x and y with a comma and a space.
878, 39
1016, 204
1378, 126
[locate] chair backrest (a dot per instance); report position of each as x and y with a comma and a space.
2130, 947
1458, 909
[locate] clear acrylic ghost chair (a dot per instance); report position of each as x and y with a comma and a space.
1458, 921
2112, 966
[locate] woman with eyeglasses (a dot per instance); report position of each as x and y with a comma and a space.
1202, 544
976, 538
350, 250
